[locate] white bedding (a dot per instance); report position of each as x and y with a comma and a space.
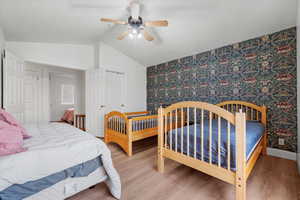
53, 148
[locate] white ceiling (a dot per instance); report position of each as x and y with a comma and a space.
194, 25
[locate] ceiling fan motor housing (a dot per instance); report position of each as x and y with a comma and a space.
135, 24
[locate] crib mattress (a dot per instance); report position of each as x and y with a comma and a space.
254, 133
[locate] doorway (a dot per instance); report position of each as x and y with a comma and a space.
64, 94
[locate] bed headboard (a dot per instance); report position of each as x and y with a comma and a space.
136, 113
253, 112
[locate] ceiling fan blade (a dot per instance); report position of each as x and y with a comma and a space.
123, 35
147, 36
113, 21
157, 23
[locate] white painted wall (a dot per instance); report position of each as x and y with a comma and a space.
64, 55
298, 82
44, 103
112, 59
2, 46
108, 58
2, 39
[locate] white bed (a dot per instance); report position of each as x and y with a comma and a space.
53, 148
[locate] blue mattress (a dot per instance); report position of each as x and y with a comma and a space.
254, 132
21, 191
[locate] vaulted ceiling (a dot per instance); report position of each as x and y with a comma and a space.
194, 25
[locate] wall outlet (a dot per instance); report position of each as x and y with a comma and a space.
280, 141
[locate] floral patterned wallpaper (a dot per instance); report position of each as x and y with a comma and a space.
261, 70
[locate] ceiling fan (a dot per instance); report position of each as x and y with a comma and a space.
136, 24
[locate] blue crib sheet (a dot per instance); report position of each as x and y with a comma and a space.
254, 132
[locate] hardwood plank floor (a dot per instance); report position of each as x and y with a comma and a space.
272, 179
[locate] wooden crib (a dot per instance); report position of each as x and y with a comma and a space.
125, 128
231, 113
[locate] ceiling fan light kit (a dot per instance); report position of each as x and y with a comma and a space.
136, 25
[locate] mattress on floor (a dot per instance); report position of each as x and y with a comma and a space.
254, 133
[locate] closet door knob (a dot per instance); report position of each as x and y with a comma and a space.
102, 106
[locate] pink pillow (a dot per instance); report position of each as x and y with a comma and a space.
7, 117
68, 116
11, 140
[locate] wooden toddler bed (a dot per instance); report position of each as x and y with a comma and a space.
214, 139
125, 128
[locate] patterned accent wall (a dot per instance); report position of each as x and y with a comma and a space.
260, 70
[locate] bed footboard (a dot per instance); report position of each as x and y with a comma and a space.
125, 128
174, 143
253, 112
115, 130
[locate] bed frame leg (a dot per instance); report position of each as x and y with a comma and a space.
160, 161
160, 157
264, 149
240, 180
129, 137
240, 190
264, 121
129, 148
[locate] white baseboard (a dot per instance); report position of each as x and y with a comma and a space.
282, 154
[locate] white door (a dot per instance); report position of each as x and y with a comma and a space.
31, 96
94, 102
114, 91
104, 93
63, 94
13, 87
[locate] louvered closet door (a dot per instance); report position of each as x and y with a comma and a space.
13, 86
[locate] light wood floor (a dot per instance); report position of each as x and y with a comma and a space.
272, 179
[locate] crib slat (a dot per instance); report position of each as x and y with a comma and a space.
171, 130
219, 141
176, 130
188, 131
114, 123
202, 121
210, 135
228, 145
181, 130
118, 124
165, 132
195, 122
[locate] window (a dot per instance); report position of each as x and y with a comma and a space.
67, 94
